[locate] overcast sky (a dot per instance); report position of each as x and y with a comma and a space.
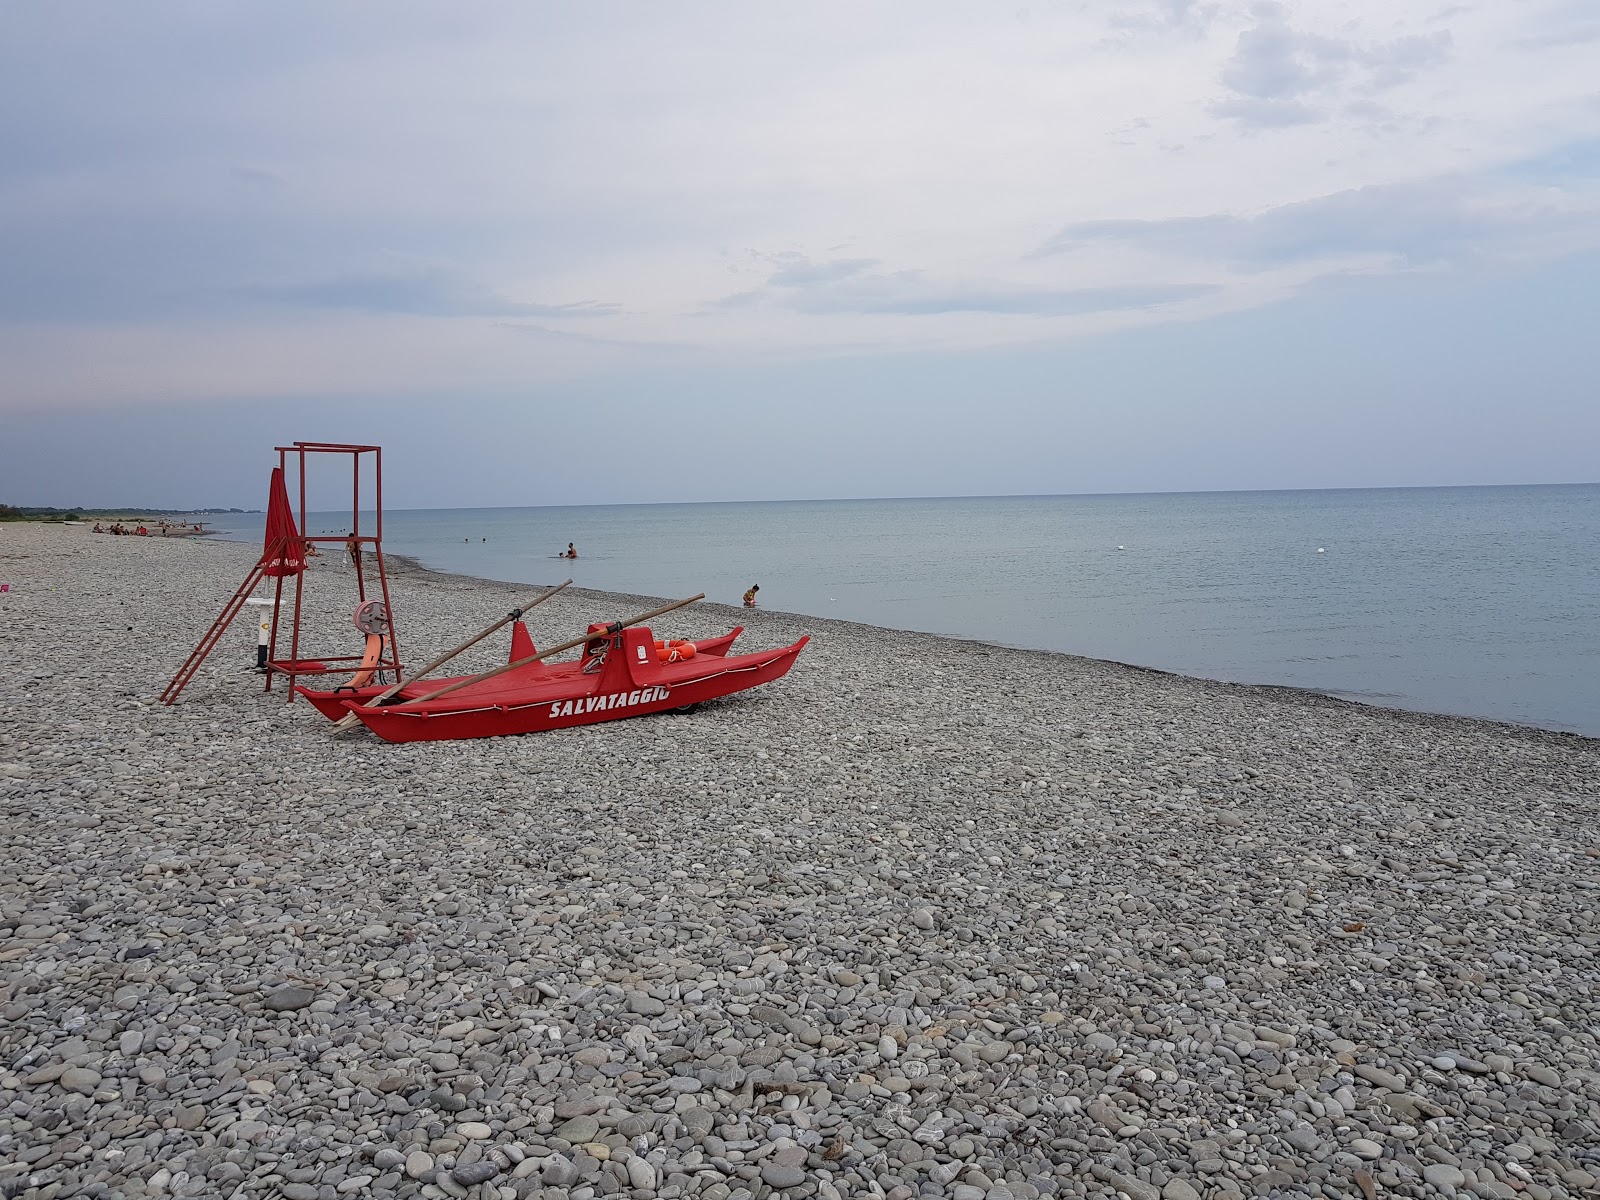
619, 252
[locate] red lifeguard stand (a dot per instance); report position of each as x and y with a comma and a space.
353, 542
285, 552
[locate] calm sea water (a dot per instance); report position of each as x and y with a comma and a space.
1479, 601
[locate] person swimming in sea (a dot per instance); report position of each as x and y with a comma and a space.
750, 596
572, 551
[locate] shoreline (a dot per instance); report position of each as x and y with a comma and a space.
415, 567
925, 917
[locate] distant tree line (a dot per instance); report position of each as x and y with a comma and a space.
12, 512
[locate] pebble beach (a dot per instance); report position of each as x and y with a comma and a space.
925, 918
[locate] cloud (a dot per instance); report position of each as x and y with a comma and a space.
804, 271
428, 292
908, 293
1574, 163
257, 177
1422, 224
435, 169
1280, 75
1161, 16
1573, 23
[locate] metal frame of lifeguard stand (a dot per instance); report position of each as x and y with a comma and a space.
293, 666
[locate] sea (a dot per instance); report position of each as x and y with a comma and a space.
1478, 601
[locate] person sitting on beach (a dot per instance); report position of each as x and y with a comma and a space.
750, 596
572, 551
97, 528
143, 532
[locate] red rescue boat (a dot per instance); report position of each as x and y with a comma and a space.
623, 673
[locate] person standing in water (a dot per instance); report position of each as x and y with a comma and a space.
572, 551
750, 596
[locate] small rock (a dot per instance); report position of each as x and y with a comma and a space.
474, 1130
1303, 1138
1135, 1187
1378, 1077
645, 1006
1541, 1074
419, 1163
81, 1080
1366, 1148
289, 998
922, 918
777, 1176
560, 1171
698, 1122
579, 1130
474, 1173
388, 1159
130, 1043
641, 1174
1179, 1189
1444, 1175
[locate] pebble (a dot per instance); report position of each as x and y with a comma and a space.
1444, 1175
964, 943
641, 1174
288, 999
80, 1079
579, 1130
474, 1173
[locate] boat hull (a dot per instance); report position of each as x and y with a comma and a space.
335, 703
610, 700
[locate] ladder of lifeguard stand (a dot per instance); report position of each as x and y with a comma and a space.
220, 625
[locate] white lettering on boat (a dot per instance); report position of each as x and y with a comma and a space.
589, 704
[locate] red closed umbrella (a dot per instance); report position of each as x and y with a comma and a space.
284, 552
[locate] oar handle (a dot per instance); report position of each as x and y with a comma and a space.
533, 658
350, 719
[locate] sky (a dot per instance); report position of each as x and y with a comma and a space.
621, 252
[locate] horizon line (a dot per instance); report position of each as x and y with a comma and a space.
1403, 487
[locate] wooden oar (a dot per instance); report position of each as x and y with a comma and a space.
350, 719
533, 658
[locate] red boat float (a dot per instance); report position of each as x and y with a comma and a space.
623, 672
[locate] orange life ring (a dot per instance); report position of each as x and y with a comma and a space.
674, 650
